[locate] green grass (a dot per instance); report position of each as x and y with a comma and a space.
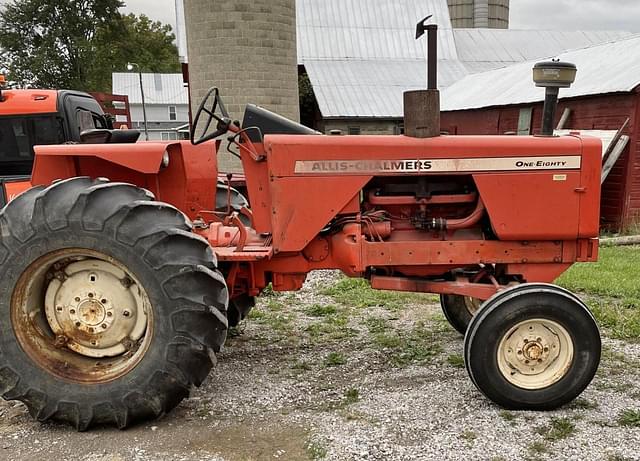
456, 360
315, 451
538, 448
331, 327
402, 348
351, 396
614, 282
614, 275
619, 318
583, 404
557, 429
320, 310
376, 324
507, 415
629, 418
334, 359
358, 293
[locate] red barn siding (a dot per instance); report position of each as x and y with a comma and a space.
631, 213
621, 190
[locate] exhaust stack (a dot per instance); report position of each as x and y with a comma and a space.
422, 107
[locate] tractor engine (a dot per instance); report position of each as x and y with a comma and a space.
437, 208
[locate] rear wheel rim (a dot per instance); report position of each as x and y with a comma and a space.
535, 354
82, 316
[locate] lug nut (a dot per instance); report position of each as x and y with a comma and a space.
59, 308
77, 299
126, 282
78, 324
72, 311
109, 314
90, 295
104, 326
103, 301
126, 313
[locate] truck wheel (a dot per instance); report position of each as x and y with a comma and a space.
459, 310
239, 308
533, 347
109, 305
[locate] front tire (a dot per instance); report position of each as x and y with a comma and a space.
109, 305
533, 347
459, 310
239, 309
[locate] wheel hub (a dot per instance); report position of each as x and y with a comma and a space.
91, 313
95, 309
535, 354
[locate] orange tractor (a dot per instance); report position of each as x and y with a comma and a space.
116, 293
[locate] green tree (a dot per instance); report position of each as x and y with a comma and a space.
150, 44
77, 44
50, 43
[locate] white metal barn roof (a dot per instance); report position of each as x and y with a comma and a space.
372, 88
158, 88
486, 49
361, 55
369, 29
608, 68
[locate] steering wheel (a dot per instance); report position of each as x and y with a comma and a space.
223, 121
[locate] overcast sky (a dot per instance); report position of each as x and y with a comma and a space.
525, 14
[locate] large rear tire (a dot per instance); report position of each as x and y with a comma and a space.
110, 308
532, 347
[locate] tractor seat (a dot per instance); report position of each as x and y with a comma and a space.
101, 136
271, 123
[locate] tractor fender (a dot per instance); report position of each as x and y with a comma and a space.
61, 161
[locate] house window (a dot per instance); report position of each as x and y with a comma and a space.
169, 136
354, 130
173, 115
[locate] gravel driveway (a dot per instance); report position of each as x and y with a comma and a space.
314, 375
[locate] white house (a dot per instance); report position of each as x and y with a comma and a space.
166, 102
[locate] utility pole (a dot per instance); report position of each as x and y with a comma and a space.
130, 67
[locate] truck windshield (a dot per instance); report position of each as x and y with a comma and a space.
18, 135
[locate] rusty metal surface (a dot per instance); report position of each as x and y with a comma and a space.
61, 352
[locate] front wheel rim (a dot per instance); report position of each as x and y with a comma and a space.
472, 305
82, 316
535, 354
